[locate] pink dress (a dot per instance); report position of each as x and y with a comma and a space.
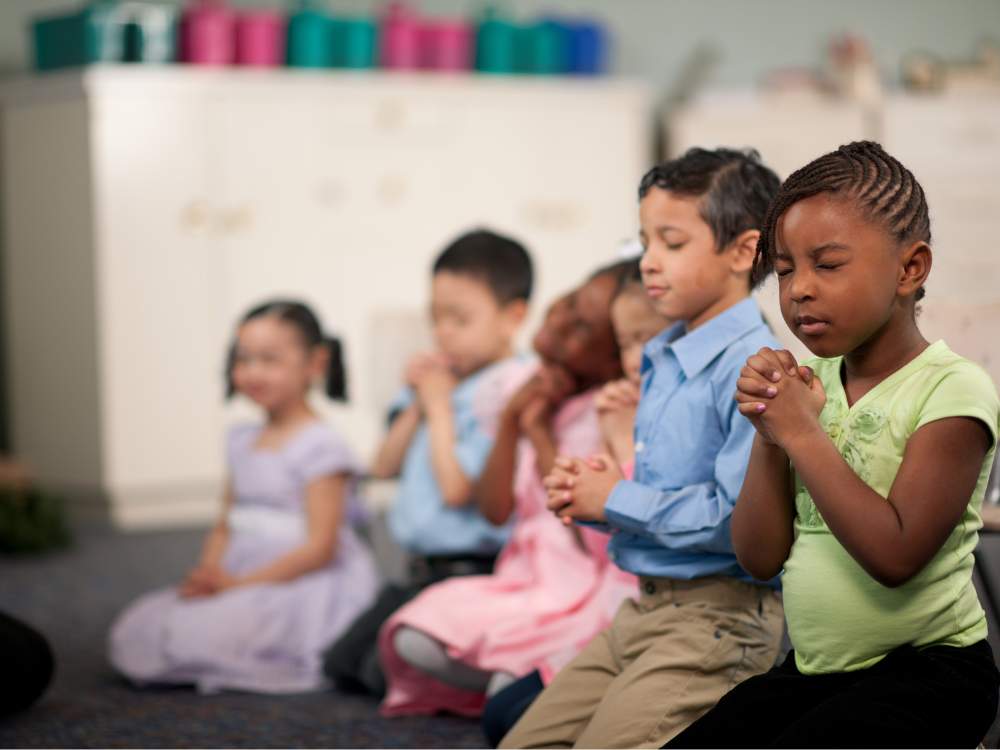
546, 599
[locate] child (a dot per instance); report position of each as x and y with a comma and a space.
442, 432
635, 321
700, 624
281, 573
865, 482
552, 589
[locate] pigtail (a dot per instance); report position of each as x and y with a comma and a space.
336, 374
228, 375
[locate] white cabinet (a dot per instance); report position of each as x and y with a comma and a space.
146, 209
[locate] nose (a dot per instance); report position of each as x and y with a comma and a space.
801, 286
649, 263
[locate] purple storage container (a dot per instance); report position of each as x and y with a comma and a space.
260, 38
208, 34
401, 39
448, 45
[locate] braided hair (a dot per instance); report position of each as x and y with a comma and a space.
863, 172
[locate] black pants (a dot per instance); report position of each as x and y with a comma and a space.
351, 662
934, 697
504, 709
26, 665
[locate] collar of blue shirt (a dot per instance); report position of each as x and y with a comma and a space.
696, 350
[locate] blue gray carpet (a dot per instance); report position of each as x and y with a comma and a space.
72, 597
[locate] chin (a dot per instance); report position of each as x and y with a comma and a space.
822, 346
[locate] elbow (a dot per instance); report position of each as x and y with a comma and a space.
497, 517
761, 570
893, 576
456, 497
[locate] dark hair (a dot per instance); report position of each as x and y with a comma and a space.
622, 270
630, 277
734, 185
305, 322
500, 262
863, 172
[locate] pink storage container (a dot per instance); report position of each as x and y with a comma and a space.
401, 39
260, 38
207, 34
448, 45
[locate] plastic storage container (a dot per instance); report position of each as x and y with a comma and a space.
105, 31
311, 38
208, 34
260, 38
448, 45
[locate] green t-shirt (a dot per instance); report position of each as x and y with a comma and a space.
839, 618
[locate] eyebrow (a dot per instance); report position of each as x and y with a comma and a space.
816, 251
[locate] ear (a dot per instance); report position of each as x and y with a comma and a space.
914, 267
513, 314
319, 363
742, 251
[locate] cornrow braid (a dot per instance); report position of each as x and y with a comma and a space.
862, 171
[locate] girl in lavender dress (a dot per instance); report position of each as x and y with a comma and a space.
282, 573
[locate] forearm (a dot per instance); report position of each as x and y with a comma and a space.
389, 459
622, 447
866, 524
456, 489
301, 560
495, 489
540, 437
214, 548
762, 519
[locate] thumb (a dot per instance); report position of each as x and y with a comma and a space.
806, 373
600, 462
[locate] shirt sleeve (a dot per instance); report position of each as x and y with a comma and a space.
324, 454
403, 398
694, 518
964, 391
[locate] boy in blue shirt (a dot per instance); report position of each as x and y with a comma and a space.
441, 433
700, 623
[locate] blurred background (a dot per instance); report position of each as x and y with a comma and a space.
165, 165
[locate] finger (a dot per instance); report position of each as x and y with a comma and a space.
752, 409
765, 366
788, 362
566, 463
566, 520
557, 503
753, 387
806, 373
599, 462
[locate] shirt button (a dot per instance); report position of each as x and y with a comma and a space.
649, 587
639, 446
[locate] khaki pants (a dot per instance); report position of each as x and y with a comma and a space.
665, 660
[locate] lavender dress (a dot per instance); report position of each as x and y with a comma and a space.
267, 637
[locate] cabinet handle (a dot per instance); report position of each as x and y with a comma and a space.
556, 216
195, 217
236, 219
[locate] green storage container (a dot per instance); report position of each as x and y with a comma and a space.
106, 31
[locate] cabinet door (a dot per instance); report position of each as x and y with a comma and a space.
557, 166
162, 345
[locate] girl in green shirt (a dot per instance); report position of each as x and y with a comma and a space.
865, 481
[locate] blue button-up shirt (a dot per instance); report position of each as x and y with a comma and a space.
692, 447
419, 519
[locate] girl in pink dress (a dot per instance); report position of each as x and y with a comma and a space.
553, 587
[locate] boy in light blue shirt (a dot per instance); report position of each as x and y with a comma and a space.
441, 433
700, 624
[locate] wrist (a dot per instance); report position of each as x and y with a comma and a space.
802, 441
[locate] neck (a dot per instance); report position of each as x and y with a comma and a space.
290, 414
891, 347
733, 296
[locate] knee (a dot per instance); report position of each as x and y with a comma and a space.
419, 650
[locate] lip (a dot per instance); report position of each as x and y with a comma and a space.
654, 291
811, 326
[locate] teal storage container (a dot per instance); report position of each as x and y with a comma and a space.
355, 42
311, 38
497, 43
106, 31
